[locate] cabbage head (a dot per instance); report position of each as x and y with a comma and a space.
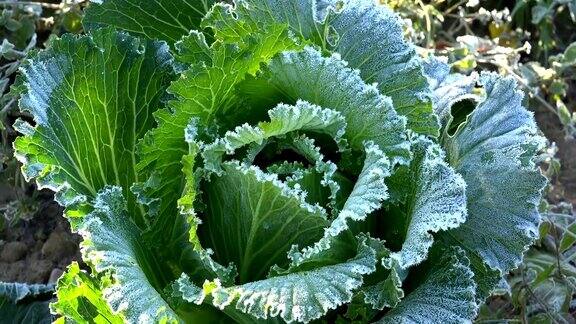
275, 161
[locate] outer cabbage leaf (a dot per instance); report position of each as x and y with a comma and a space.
193, 49
299, 296
80, 298
487, 279
16, 292
448, 88
371, 39
434, 200
92, 98
344, 27
112, 244
303, 16
24, 303
166, 20
447, 294
494, 151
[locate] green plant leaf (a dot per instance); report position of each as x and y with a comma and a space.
386, 59
112, 244
448, 88
385, 293
284, 119
569, 55
382, 288
92, 99
80, 298
205, 92
303, 17
445, 296
285, 123
367, 195
16, 292
434, 200
252, 219
24, 303
321, 181
494, 151
180, 244
154, 19
568, 238
327, 82
300, 296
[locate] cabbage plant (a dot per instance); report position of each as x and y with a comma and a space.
275, 161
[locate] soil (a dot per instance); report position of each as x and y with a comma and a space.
38, 250
564, 186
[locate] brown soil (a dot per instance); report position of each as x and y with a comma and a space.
38, 250
565, 184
